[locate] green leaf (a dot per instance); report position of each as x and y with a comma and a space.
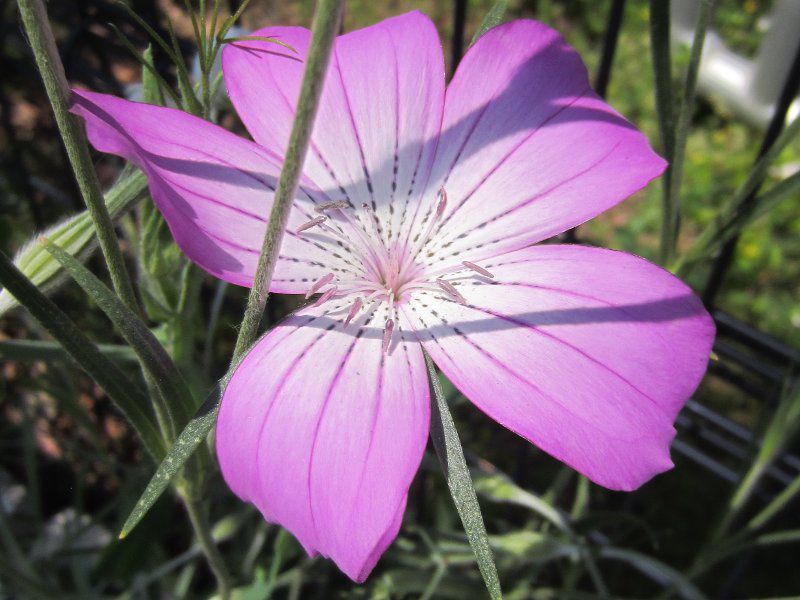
151, 88
178, 400
52, 351
75, 234
145, 64
493, 18
451, 456
532, 546
654, 569
127, 396
499, 488
187, 442
257, 38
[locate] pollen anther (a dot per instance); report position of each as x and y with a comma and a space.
332, 205
326, 296
322, 281
450, 289
440, 208
478, 269
387, 335
312, 223
353, 311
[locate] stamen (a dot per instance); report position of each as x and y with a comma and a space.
387, 335
353, 311
322, 281
312, 223
325, 297
426, 236
332, 205
478, 269
451, 290
442, 203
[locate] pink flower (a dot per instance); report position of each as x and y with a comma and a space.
415, 221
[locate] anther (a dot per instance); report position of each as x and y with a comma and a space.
325, 297
353, 311
478, 269
312, 223
324, 280
450, 289
332, 205
442, 203
387, 335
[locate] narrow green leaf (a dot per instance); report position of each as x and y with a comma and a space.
179, 403
451, 456
75, 234
257, 38
24, 350
776, 505
190, 101
107, 374
499, 488
151, 87
656, 570
145, 65
230, 21
189, 439
675, 169
493, 18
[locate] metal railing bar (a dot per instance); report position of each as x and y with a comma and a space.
728, 325
746, 360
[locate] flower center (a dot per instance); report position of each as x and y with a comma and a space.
385, 273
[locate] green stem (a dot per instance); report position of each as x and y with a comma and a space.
675, 169
326, 25
662, 70
202, 528
43, 44
451, 456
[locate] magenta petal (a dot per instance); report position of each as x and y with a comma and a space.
380, 111
214, 188
527, 149
587, 353
324, 433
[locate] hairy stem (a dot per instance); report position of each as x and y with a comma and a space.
202, 528
43, 44
326, 25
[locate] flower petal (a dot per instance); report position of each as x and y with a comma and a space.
379, 114
323, 432
527, 149
214, 188
588, 353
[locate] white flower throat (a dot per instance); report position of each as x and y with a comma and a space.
387, 272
